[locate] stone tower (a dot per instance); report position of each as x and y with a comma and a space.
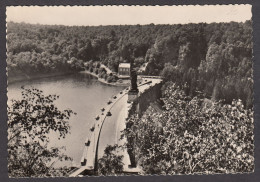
133, 92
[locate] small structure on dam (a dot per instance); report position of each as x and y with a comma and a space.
133, 92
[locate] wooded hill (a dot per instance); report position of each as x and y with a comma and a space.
213, 58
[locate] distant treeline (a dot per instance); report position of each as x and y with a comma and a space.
213, 58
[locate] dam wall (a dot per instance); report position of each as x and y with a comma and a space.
142, 102
151, 94
149, 91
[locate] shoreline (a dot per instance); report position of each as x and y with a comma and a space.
24, 77
103, 80
14, 79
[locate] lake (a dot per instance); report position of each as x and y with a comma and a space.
80, 92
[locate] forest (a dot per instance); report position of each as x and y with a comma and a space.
215, 58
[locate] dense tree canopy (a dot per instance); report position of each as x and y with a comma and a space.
192, 135
214, 58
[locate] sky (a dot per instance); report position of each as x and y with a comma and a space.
127, 15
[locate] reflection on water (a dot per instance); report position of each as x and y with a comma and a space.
79, 92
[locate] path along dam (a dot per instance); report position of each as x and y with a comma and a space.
108, 126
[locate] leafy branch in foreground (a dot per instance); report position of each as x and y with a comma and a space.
31, 120
110, 163
192, 135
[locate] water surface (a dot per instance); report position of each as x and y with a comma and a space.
80, 92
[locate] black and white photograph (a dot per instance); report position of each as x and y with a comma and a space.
129, 90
